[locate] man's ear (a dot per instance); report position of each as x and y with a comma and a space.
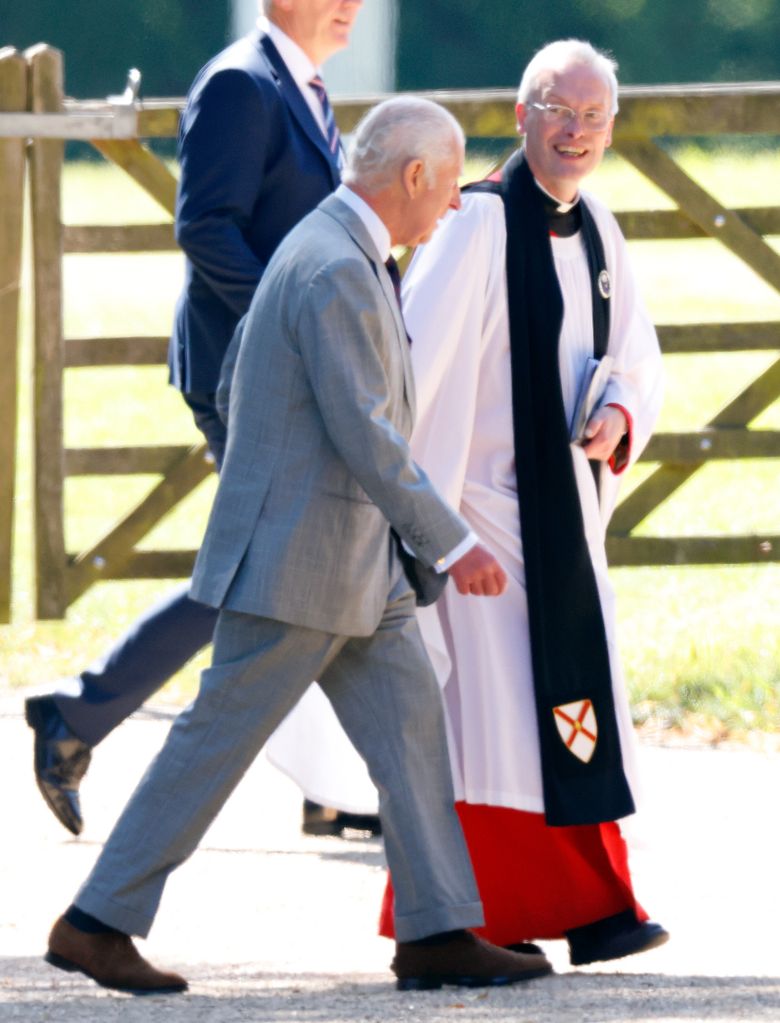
413, 177
608, 141
521, 112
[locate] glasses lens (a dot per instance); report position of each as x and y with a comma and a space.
557, 114
597, 119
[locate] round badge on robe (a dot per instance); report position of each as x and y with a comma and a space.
605, 284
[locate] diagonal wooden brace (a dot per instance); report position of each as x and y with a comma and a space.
111, 552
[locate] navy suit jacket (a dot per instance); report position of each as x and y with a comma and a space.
254, 162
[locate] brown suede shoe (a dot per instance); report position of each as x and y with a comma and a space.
465, 960
112, 960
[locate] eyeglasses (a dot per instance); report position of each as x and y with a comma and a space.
556, 113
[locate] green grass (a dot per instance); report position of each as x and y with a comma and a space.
700, 645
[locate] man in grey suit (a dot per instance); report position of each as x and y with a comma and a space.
259, 148
301, 557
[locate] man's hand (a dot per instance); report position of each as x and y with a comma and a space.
604, 430
479, 573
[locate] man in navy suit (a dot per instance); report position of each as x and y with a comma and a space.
259, 149
255, 159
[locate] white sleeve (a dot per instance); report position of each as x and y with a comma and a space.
449, 295
636, 381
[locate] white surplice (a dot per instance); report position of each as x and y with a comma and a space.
455, 308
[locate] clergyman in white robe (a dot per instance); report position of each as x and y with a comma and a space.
455, 308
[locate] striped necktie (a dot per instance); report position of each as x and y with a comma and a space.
331, 128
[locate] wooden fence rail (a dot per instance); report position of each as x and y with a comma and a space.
40, 113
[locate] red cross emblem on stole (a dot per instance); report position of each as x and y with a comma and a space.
577, 726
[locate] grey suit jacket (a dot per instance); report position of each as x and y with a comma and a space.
317, 466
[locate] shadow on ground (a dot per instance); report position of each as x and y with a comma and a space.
30, 990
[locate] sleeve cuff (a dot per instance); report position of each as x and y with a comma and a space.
621, 456
445, 563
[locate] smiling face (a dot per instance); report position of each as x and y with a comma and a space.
560, 155
319, 27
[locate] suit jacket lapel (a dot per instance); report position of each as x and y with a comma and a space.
352, 223
400, 329
291, 94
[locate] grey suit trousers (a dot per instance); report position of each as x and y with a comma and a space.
383, 690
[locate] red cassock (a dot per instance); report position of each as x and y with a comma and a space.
536, 881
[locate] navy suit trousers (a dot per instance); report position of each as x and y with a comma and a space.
156, 646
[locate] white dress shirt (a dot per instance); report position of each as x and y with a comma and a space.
299, 66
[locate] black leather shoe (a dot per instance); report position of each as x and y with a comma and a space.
61, 761
326, 820
614, 937
526, 948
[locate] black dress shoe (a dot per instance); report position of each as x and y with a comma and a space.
61, 760
614, 937
327, 820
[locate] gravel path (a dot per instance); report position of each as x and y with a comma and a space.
271, 926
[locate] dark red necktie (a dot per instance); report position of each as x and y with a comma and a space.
395, 277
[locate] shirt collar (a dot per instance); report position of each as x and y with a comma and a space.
370, 219
296, 61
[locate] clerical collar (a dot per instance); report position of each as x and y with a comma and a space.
558, 205
564, 219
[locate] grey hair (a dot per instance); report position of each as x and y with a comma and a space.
266, 6
563, 54
396, 131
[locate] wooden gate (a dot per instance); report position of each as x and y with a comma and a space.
63, 576
647, 114
13, 97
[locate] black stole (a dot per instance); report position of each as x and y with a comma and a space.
568, 639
